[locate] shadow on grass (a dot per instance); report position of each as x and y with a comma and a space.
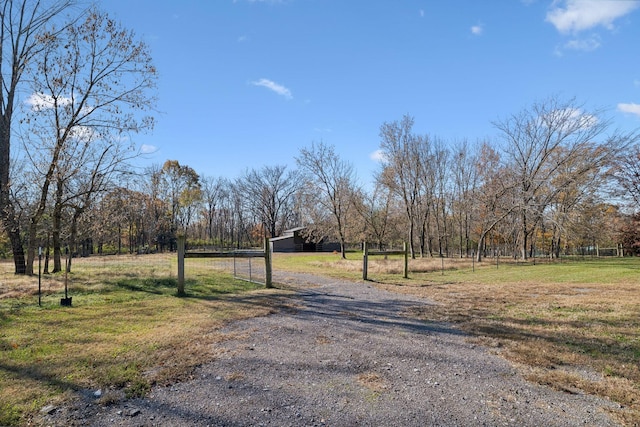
157, 286
197, 289
12, 413
37, 374
621, 346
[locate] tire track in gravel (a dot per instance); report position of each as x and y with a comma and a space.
348, 356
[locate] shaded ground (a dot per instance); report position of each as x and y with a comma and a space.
346, 355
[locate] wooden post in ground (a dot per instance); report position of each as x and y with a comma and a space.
267, 264
181, 250
365, 260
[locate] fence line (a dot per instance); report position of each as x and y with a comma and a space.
366, 253
265, 253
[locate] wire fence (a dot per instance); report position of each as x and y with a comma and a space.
86, 274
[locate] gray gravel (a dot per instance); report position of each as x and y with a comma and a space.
347, 356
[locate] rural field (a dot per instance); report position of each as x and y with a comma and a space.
570, 325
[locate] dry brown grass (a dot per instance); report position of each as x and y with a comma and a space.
579, 338
372, 381
573, 326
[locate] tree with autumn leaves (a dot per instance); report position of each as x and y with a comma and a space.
537, 189
91, 85
81, 87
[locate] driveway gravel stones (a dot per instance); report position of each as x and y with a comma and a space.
347, 355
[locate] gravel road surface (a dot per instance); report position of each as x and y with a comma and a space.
346, 356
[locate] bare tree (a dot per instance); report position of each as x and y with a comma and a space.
442, 194
92, 81
182, 192
375, 210
494, 196
465, 181
213, 193
406, 158
626, 171
23, 24
539, 141
270, 194
330, 185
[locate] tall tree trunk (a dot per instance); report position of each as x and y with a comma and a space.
411, 233
32, 242
73, 236
7, 210
57, 241
57, 229
46, 254
525, 236
13, 230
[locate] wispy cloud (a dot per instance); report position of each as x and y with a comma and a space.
573, 16
275, 87
243, 39
477, 30
587, 44
630, 109
421, 12
147, 149
378, 156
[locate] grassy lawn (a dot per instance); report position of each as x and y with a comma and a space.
125, 331
573, 326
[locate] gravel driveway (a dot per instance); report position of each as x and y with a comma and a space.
347, 356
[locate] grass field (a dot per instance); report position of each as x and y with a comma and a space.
126, 329
573, 326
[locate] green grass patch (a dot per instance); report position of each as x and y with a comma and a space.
126, 329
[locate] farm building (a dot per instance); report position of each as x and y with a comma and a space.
293, 241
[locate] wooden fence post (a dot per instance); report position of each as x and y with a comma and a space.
267, 264
181, 250
365, 261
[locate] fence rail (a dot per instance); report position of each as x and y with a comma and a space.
365, 259
266, 254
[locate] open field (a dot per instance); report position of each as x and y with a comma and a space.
125, 331
574, 326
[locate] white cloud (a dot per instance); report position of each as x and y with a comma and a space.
378, 156
271, 85
148, 149
578, 118
630, 108
568, 119
83, 133
587, 44
477, 30
578, 15
41, 101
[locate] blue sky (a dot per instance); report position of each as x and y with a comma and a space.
247, 83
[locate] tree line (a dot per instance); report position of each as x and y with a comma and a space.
76, 86
544, 186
